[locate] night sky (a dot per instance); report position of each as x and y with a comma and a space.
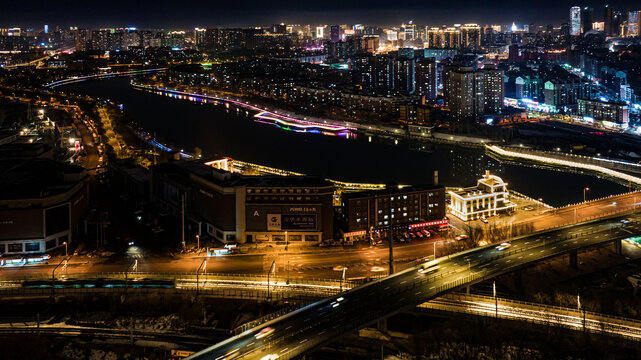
176, 14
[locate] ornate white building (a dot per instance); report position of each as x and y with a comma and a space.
487, 198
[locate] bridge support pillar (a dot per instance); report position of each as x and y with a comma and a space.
574, 260
382, 325
617, 246
467, 289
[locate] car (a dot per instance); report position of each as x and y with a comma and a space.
625, 221
461, 237
428, 269
503, 246
528, 208
483, 219
264, 333
426, 233
419, 234
413, 235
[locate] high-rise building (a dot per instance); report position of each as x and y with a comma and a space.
320, 32
452, 38
200, 36
425, 77
81, 40
335, 34
586, 19
435, 38
634, 22
608, 19
469, 94
470, 36
575, 21
403, 75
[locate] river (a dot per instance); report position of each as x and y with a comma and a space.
231, 132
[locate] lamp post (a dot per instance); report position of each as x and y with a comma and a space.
65, 243
197, 243
584, 190
271, 269
496, 301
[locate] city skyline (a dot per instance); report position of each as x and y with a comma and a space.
165, 14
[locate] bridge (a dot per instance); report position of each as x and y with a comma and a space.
320, 323
569, 318
603, 167
76, 79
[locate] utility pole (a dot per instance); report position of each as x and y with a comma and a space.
391, 236
343, 277
182, 218
271, 269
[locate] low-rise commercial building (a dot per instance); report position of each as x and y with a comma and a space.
489, 197
42, 203
370, 212
246, 209
613, 112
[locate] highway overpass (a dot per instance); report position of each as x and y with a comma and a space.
569, 318
322, 322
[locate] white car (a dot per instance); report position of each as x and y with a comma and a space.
483, 219
503, 246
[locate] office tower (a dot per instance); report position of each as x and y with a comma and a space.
470, 36
335, 34
586, 19
425, 77
81, 40
320, 32
46, 29
575, 21
452, 38
435, 38
634, 22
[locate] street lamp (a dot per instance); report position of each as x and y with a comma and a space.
65, 243
584, 190
198, 243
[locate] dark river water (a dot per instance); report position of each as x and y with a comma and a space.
229, 132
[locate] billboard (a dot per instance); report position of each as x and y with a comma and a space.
276, 222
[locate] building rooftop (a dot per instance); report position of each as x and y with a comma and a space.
37, 178
391, 190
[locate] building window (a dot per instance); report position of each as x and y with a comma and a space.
295, 237
278, 238
15, 248
1, 248
50, 244
32, 246
230, 237
311, 238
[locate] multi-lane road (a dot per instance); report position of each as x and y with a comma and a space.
324, 321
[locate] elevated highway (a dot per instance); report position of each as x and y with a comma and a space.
317, 324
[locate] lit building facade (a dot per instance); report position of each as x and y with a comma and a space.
488, 198
575, 21
614, 112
